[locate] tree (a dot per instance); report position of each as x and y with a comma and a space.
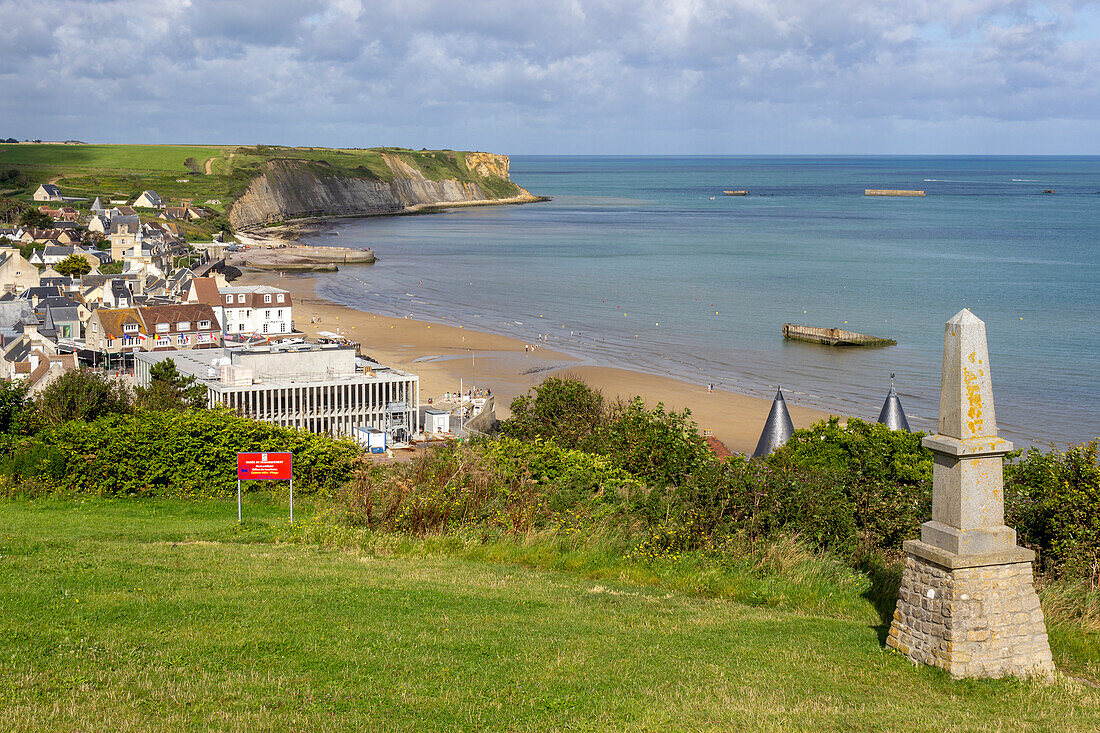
16, 408
567, 411
36, 219
73, 266
170, 390
82, 395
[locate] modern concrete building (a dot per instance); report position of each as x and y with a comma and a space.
319, 388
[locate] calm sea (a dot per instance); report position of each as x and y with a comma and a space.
642, 262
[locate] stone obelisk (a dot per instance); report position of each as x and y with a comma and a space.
967, 601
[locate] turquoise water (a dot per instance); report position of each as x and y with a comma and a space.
648, 266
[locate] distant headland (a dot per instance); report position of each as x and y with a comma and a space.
244, 187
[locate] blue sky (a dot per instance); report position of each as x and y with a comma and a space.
580, 77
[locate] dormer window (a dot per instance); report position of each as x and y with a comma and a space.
267, 297
162, 327
228, 299
204, 325
279, 297
129, 328
240, 298
183, 326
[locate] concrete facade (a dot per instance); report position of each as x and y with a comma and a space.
967, 601
319, 389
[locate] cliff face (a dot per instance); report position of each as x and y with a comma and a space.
292, 189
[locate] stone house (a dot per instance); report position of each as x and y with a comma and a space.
16, 273
47, 192
149, 200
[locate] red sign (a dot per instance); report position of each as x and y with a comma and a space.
260, 466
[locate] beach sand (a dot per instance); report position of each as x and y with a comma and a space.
442, 355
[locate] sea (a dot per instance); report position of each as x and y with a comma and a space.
643, 263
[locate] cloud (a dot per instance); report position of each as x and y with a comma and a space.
571, 76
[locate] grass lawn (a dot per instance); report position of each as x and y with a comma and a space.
156, 614
114, 157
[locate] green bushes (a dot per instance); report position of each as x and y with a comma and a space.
504, 484
1053, 500
657, 446
181, 453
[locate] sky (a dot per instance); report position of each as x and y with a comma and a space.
736, 77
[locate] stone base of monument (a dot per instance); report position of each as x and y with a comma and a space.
971, 615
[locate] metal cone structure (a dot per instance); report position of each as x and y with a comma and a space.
777, 429
967, 602
892, 416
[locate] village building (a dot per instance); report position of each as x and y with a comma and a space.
124, 235
16, 273
148, 200
47, 192
322, 389
247, 310
114, 331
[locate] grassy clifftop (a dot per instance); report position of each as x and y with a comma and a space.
223, 172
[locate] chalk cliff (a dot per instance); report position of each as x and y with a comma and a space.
293, 189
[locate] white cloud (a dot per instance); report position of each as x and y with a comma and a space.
658, 75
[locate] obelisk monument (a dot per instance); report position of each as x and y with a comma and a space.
967, 601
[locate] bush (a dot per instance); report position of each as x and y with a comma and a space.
566, 411
17, 413
1053, 500
866, 451
502, 484
661, 448
82, 395
194, 452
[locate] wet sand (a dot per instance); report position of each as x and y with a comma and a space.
442, 355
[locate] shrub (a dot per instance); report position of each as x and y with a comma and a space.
195, 452
1053, 500
661, 448
566, 411
17, 414
867, 451
82, 395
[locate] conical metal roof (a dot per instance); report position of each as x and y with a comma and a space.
892, 416
778, 428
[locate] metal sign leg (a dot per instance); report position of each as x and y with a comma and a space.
292, 501
238, 501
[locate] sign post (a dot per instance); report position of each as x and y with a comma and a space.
265, 467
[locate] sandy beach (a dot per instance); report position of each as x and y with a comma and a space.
443, 354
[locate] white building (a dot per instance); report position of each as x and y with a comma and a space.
245, 311
319, 388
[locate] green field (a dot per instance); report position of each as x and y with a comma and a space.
154, 614
70, 158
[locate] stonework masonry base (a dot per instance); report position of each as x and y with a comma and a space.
971, 620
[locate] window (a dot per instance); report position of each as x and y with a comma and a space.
267, 315
279, 297
282, 328
162, 328
204, 324
279, 313
240, 298
265, 328
129, 328
229, 299
267, 297
183, 326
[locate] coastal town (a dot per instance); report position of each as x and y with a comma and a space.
119, 287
